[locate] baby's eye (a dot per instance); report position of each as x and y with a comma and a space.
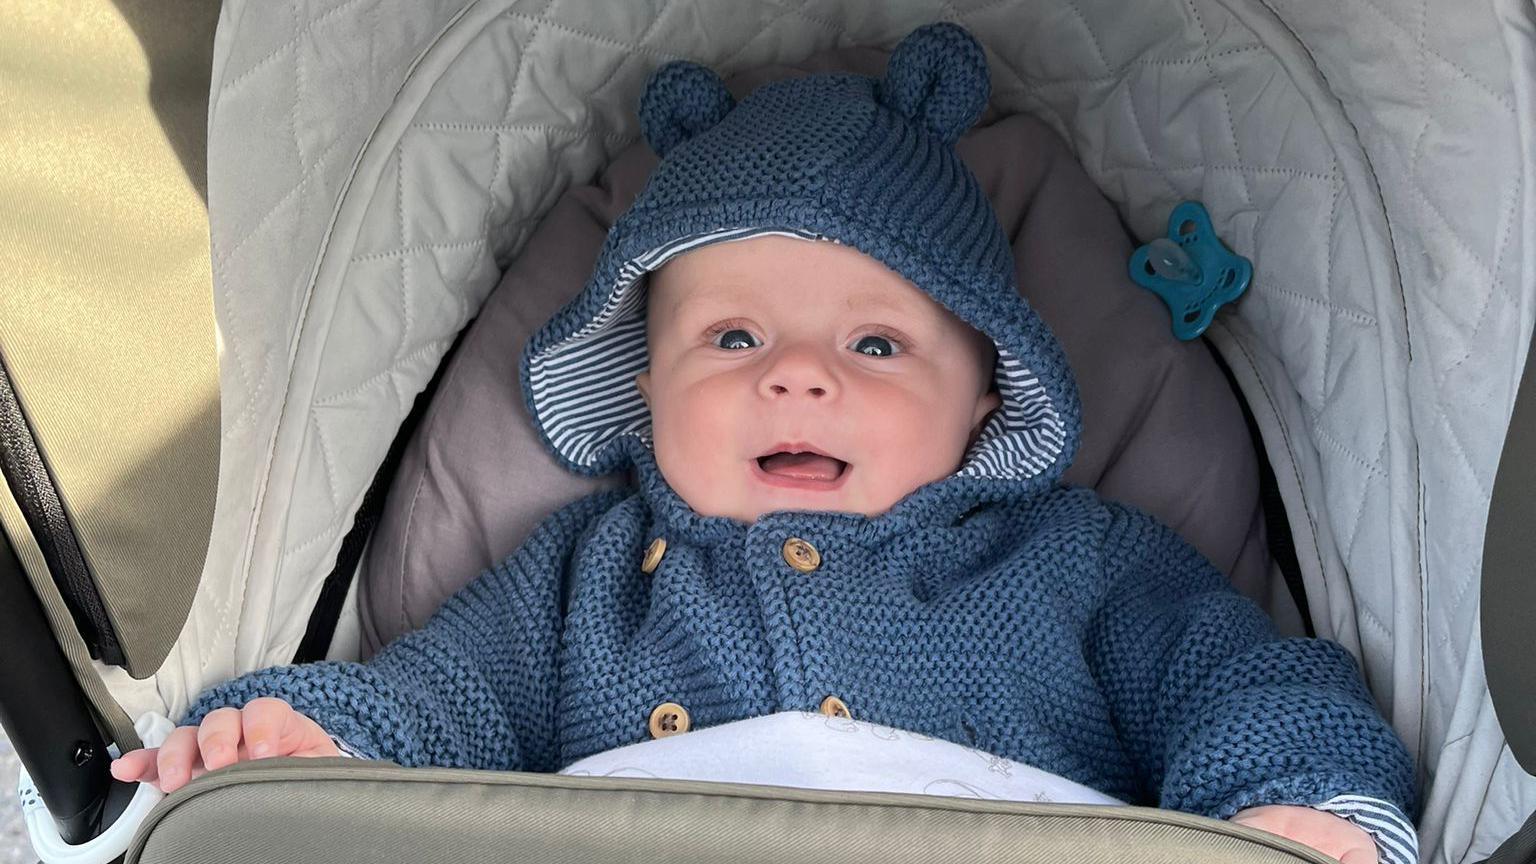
875, 346
735, 340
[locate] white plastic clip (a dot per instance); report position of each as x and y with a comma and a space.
50, 847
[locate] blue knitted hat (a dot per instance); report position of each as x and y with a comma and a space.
868, 162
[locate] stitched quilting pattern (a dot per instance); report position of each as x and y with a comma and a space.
1450, 179
1195, 99
444, 212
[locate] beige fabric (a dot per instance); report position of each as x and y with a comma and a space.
338, 811
106, 314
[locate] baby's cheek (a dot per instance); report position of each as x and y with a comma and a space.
908, 452
696, 440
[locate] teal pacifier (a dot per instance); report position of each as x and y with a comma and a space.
1191, 270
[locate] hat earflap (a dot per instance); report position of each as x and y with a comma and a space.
680, 100
937, 77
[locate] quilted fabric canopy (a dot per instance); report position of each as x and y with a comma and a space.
374, 164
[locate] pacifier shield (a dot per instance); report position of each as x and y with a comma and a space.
1191, 270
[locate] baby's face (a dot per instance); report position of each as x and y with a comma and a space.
777, 344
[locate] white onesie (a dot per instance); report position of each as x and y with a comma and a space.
813, 751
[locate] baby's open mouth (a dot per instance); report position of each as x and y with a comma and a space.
802, 465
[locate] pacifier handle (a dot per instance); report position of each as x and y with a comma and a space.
1169, 260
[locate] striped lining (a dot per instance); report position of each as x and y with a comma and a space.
1025, 435
583, 386
347, 750
1396, 840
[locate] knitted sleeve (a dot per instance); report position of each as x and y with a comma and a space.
1216, 710
475, 687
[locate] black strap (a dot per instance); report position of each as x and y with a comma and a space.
1277, 529
1509, 599
21, 463
322, 621
44, 712
1509, 578
1519, 848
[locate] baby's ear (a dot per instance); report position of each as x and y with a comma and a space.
643, 384
681, 99
937, 77
989, 402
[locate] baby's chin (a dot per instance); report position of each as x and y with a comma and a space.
750, 508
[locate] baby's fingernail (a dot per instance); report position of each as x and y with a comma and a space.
261, 751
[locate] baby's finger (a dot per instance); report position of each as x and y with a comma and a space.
136, 766
266, 719
178, 753
218, 738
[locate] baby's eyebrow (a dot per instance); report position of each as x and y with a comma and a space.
677, 301
865, 301
718, 295
714, 296
706, 301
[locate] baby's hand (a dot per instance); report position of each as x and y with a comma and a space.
266, 727
1325, 832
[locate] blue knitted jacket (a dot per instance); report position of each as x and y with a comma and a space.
1054, 629
994, 607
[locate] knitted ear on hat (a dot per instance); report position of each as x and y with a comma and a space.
937, 77
681, 99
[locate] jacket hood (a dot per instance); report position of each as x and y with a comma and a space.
867, 162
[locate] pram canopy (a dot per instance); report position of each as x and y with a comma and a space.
373, 166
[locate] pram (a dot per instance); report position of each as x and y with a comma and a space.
373, 167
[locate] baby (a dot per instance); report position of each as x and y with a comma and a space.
847, 430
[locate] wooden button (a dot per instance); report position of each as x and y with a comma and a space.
801, 555
653, 555
834, 707
669, 718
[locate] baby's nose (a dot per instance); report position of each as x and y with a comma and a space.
780, 389
798, 372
